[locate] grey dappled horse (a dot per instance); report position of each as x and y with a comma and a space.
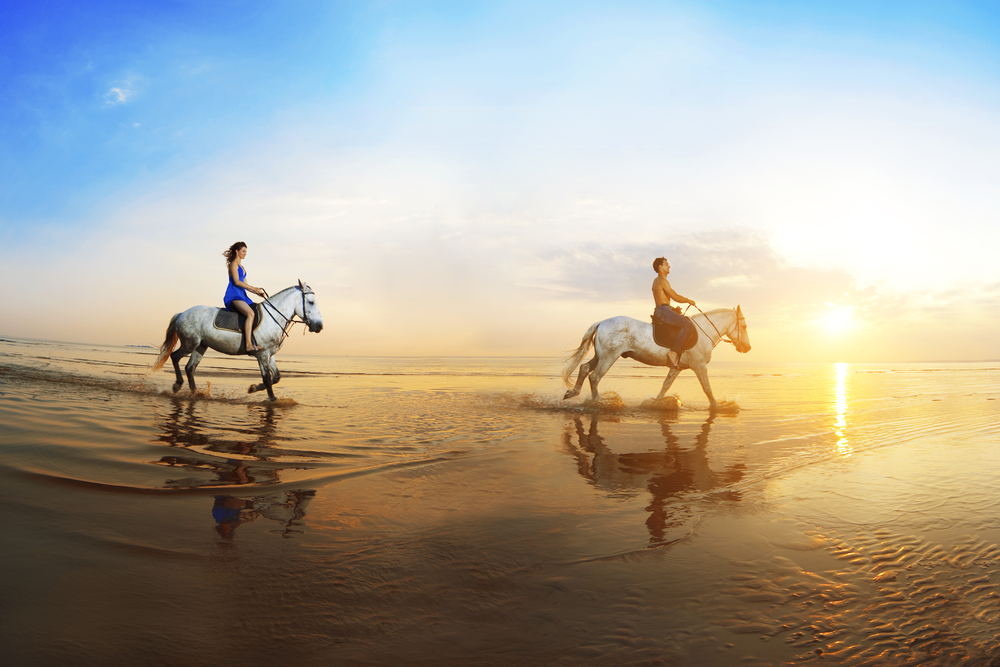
196, 331
626, 337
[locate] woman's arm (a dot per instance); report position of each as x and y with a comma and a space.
234, 273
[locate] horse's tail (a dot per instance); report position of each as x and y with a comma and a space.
168, 343
574, 360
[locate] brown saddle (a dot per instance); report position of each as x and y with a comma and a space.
230, 320
665, 334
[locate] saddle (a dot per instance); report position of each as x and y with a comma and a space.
230, 320
665, 334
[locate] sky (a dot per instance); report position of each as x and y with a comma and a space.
490, 178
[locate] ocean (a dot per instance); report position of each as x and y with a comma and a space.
456, 511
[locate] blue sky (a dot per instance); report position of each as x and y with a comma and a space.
107, 93
507, 171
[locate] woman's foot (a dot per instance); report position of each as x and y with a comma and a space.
253, 349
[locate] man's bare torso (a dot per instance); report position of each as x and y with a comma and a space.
662, 291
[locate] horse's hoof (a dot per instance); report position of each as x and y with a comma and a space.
570, 394
251, 389
177, 387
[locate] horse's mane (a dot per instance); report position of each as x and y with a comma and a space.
713, 312
277, 294
707, 317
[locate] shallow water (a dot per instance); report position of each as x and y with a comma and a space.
389, 511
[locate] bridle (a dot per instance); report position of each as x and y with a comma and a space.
739, 329
739, 318
289, 321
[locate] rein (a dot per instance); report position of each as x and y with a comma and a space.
728, 340
289, 321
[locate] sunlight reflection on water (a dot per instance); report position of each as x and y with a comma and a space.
840, 426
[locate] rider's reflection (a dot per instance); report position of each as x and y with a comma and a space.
668, 475
288, 508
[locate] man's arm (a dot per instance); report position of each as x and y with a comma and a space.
675, 296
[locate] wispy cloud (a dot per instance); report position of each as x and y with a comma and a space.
120, 93
117, 96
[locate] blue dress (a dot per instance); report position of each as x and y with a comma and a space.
235, 293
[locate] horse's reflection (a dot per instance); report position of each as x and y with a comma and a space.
185, 427
669, 475
221, 454
288, 509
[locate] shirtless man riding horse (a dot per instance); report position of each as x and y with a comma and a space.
662, 294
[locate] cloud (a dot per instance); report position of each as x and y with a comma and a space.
714, 266
117, 96
404, 265
121, 93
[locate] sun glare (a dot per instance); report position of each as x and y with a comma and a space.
838, 320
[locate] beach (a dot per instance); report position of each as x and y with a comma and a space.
456, 511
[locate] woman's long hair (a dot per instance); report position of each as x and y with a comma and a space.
230, 254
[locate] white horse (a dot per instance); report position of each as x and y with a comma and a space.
195, 328
625, 337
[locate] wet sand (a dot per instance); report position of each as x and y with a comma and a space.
456, 512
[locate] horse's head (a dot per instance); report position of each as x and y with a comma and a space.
739, 335
310, 311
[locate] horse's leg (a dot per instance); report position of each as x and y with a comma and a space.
584, 371
671, 376
604, 364
176, 357
192, 364
264, 361
275, 377
701, 370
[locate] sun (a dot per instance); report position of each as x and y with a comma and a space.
838, 320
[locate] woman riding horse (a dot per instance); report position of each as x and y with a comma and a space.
236, 298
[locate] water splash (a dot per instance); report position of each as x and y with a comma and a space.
727, 408
666, 404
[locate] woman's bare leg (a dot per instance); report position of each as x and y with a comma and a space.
244, 309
